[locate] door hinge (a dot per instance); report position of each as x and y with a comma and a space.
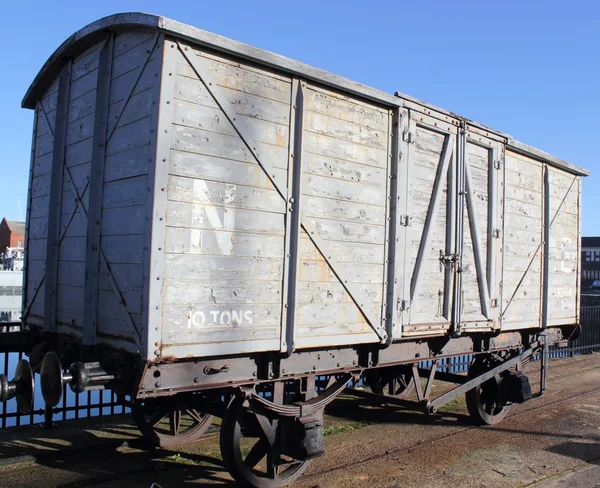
494, 303
497, 164
403, 305
405, 220
407, 136
496, 233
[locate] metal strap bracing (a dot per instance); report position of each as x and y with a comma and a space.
478, 256
202, 71
129, 91
56, 193
391, 287
50, 312
434, 204
293, 217
92, 254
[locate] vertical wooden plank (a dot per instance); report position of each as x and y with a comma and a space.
56, 191
293, 218
24, 304
92, 256
157, 201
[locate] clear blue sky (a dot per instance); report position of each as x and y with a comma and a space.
528, 68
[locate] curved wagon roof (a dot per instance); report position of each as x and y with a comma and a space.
94, 32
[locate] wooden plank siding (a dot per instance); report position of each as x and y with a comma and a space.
563, 247
523, 234
426, 288
225, 221
245, 208
345, 161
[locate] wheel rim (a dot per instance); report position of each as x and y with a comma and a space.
396, 382
249, 453
486, 400
167, 424
482, 401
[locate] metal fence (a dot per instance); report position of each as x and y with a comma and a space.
72, 406
104, 402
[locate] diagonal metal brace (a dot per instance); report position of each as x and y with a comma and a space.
433, 406
205, 76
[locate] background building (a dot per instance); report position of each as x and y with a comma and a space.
12, 234
590, 261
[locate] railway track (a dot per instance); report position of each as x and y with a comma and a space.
102, 465
429, 443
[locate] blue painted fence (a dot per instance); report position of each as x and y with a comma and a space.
104, 403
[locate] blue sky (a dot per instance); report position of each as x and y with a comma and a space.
530, 69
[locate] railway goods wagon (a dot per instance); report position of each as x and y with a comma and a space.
213, 229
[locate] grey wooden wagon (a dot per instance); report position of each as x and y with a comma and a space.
215, 229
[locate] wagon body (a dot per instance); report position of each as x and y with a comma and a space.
192, 197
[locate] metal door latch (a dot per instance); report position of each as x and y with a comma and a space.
448, 261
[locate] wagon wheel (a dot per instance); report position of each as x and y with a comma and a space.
482, 401
396, 381
249, 452
169, 423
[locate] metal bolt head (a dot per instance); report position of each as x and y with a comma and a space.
157, 384
157, 352
196, 380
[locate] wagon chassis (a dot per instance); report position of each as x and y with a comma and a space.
280, 401
285, 415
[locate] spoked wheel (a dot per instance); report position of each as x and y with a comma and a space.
482, 401
396, 381
248, 447
169, 423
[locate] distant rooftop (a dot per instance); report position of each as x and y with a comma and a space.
16, 226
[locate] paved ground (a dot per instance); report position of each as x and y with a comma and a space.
549, 442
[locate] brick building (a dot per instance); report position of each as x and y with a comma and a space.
12, 234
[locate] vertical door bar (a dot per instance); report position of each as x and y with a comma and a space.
546, 261
460, 218
92, 255
403, 271
451, 208
293, 219
492, 225
55, 204
393, 252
